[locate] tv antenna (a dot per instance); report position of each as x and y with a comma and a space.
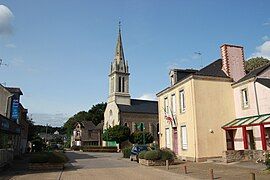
199, 54
2, 63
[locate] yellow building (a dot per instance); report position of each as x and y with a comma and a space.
197, 104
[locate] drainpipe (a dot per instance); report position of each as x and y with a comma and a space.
7, 105
256, 96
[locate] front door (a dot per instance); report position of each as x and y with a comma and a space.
175, 141
230, 139
251, 141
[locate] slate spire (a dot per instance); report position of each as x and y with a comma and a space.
119, 51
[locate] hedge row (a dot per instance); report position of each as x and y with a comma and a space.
162, 154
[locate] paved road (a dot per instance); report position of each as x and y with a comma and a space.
110, 166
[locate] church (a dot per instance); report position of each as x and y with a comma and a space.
121, 109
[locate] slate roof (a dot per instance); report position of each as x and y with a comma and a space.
183, 73
214, 69
254, 73
264, 81
140, 106
14, 90
89, 125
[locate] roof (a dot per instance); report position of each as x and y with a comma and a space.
14, 90
89, 125
100, 125
254, 73
214, 69
264, 81
248, 121
183, 73
140, 106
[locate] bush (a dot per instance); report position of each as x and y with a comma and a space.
152, 155
48, 157
138, 136
142, 154
167, 154
126, 152
76, 148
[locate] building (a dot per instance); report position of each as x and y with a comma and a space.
250, 130
197, 104
13, 124
121, 109
87, 134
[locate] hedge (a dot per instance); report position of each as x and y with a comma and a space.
152, 155
126, 152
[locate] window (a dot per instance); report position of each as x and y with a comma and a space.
173, 104
112, 85
126, 124
119, 84
182, 101
184, 137
244, 98
166, 106
123, 84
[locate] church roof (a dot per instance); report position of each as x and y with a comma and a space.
119, 51
140, 106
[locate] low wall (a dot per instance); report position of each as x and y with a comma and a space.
99, 149
243, 155
6, 156
46, 166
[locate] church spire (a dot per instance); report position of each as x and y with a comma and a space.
119, 52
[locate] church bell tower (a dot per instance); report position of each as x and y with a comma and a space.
119, 75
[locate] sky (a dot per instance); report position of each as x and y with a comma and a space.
59, 52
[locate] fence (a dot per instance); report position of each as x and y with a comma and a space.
6, 156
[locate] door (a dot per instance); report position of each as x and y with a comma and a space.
251, 141
230, 139
175, 141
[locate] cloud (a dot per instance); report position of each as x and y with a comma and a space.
148, 96
263, 50
10, 45
51, 119
6, 17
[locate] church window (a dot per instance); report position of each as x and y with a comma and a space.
119, 84
123, 84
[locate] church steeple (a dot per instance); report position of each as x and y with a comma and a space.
119, 63
119, 74
119, 51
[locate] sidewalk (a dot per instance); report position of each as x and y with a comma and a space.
239, 171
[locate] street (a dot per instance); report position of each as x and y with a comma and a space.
110, 166
94, 166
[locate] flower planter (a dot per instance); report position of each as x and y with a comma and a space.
154, 162
46, 166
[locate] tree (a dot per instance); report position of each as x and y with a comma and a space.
137, 137
96, 113
116, 133
254, 63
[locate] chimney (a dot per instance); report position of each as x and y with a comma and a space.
233, 61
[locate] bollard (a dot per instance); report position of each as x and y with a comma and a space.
212, 174
185, 169
167, 164
252, 176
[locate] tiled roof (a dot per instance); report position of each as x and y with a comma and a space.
264, 81
254, 73
140, 106
214, 69
183, 73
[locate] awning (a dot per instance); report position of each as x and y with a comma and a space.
248, 121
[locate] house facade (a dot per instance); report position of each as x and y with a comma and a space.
121, 109
86, 133
197, 104
250, 130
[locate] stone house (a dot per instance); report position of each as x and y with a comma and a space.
121, 109
86, 133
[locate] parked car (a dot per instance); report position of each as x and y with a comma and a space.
135, 151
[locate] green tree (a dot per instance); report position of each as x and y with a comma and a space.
96, 113
254, 63
137, 137
116, 133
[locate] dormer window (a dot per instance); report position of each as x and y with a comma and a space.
245, 101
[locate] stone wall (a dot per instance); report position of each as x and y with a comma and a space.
243, 155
